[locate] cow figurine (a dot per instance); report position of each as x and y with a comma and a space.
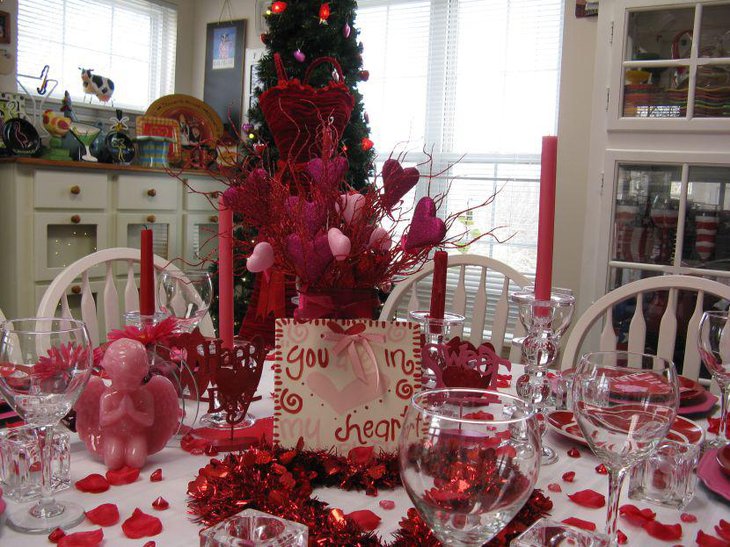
94, 84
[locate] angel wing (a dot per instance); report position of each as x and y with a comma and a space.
87, 415
167, 413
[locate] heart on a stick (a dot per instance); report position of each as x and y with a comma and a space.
262, 257
313, 217
350, 206
397, 182
426, 228
237, 378
310, 258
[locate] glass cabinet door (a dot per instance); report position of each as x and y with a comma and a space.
670, 218
676, 61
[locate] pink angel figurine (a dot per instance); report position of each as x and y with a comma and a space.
127, 421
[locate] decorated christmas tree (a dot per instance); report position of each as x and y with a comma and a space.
302, 31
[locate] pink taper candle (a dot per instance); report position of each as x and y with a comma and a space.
146, 275
546, 222
225, 275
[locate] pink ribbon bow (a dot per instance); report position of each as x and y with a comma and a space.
348, 339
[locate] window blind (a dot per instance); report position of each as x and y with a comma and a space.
471, 82
132, 42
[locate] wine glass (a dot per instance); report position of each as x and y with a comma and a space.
185, 295
624, 404
713, 343
468, 460
46, 364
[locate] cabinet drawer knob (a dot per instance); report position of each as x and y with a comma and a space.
213, 218
75, 189
76, 289
151, 218
76, 219
151, 192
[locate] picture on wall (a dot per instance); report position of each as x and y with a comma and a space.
224, 69
4, 27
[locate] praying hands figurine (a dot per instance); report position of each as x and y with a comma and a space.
127, 421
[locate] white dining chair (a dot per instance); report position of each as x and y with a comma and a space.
672, 323
59, 288
481, 294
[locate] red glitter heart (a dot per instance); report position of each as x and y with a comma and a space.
426, 228
160, 504
397, 182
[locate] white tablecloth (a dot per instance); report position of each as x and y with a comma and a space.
179, 467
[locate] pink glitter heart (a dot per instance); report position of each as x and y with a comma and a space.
327, 173
397, 182
310, 258
312, 216
426, 228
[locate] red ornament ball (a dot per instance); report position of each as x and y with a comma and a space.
278, 7
264, 36
299, 56
364, 75
367, 144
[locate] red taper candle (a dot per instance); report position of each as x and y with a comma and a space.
438, 289
546, 221
146, 275
225, 275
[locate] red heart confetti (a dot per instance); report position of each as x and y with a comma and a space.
554, 487
160, 504
107, 514
56, 535
601, 469
124, 475
588, 498
687, 517
706, 540
580, 523
366, 520
574, 453
387, 504
569, 476
82, 539
92, 484
140, 525
664, 532
156, 475
622, 539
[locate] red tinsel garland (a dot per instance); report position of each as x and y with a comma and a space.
280, 481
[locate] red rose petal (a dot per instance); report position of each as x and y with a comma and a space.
125, 475
554, 487
56, 535
665, 532
723, 532
622, 539
636, 516
140, 525
82, 539
580, 523
387, 504
687, 517
574, 453
601, 469
107, 514
365, 519
725, 525
588, 498
706, 540
569, 476
160, 504
156, 475
93, 484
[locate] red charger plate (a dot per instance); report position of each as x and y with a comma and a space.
723, 458
563, 422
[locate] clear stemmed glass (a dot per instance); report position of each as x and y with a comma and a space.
625, 404
468, 460
713, 343
46, 364
185, 295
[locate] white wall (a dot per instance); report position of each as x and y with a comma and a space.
574, 130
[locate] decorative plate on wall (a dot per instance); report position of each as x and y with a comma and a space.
198, 122
20, 137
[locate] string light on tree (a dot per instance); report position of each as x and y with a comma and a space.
324, 13
278, 7
366, 144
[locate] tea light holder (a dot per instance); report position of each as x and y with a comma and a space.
252, 527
